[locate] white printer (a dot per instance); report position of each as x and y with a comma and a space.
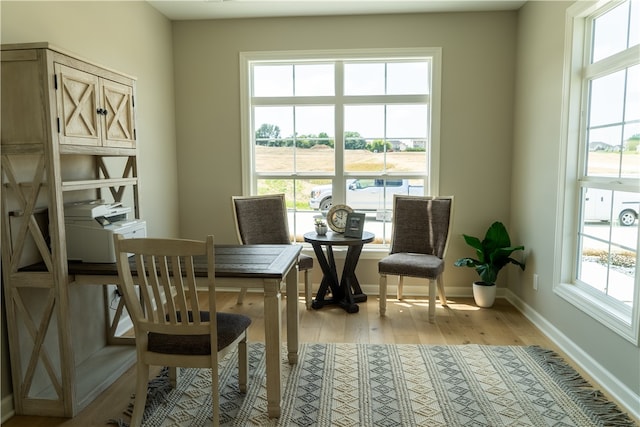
90, 227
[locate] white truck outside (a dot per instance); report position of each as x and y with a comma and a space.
598, 206
365, 194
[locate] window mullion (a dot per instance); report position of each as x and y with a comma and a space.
616, 62
339, 181
291, 100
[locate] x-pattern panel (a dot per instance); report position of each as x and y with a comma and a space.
38, 335
26, 197
79, 105
128, 171
118, 118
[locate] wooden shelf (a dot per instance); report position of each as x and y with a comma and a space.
65, 149
97, 183
96, 151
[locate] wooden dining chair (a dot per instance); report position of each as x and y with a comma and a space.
172, 327
263, 220
420, 235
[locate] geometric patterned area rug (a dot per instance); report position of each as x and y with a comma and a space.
349, 385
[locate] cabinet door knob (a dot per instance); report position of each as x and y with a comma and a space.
102, 111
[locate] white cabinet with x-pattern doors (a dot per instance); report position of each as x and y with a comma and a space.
92, 110
68, 135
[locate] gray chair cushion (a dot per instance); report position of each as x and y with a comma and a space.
305, 262
230, 327
411, 264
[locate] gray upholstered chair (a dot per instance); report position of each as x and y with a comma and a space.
172, 327
420, 236
263, 220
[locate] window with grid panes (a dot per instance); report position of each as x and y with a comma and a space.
341, 127
599, 270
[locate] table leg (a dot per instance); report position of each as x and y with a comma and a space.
349, 282
353, 255
333, 274
346, 292
329, 276
292, 315
273, 340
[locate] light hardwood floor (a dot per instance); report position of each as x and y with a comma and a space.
406, 322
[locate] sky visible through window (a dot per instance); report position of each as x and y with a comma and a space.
360, 79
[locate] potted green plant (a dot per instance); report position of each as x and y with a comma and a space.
320, 225
494, 252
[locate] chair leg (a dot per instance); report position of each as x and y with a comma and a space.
173, 376
241, 295
142, 379
400, 286
307, 290
443, 297
215, 393
432, 301
383, 294
243, 365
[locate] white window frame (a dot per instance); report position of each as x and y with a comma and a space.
249, 178
611, 313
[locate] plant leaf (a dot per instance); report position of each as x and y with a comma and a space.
494, 252
466, 262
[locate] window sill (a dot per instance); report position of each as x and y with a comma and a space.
610, 314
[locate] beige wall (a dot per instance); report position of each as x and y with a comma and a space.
533, 201
478, 51
139, 45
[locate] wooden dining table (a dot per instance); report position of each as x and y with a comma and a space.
263, 267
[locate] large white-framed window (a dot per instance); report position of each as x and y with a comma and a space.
341, 127
600, 194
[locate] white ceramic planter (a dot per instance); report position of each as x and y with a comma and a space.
484, 295
321, 230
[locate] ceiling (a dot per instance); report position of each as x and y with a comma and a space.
227, 9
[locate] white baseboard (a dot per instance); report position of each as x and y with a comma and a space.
613, 388
6, 408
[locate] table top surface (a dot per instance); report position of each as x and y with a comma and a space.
262, 261
338, 239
